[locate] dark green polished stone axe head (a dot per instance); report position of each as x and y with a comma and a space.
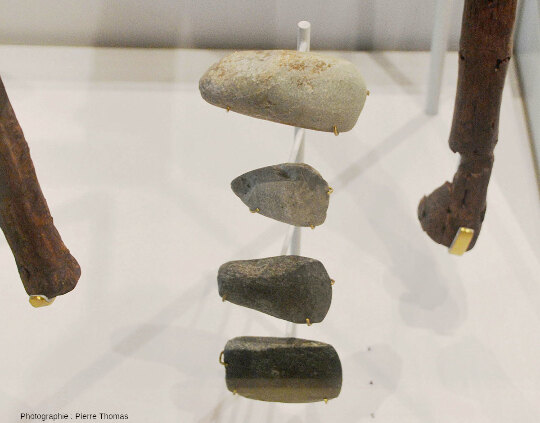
282, 369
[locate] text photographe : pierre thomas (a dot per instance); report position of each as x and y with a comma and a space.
73, 416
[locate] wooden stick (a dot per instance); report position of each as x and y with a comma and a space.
45, 265
485, 50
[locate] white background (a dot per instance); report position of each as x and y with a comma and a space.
136, 169
527, 53
338, 24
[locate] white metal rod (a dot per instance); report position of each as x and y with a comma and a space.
439, 44
303, 37
298, 146
287, 241
294, 234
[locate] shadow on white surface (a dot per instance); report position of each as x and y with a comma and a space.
381, 366
484, 381
429, 296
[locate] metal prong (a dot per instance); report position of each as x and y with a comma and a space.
234, 392
330, 190
228, 109
308, 322
40, 300
312, 226
224, 298
221, 354
461, 242
336, 132
332, 281
257, 210
326, 400
367, 92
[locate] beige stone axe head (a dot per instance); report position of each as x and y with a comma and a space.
302, 89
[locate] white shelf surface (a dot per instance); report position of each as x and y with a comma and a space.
136, 170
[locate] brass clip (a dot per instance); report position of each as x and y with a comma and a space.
40, 301
221, 359
461, 242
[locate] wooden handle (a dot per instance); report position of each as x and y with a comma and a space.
485, 50
45, 265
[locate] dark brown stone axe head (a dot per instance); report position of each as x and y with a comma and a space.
46, 267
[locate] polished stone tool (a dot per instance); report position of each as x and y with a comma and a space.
293, 288
304, 89
293, 193
282, 369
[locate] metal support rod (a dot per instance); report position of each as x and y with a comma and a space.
294, 235
439, 44
303, 36
299, 133
297, 152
